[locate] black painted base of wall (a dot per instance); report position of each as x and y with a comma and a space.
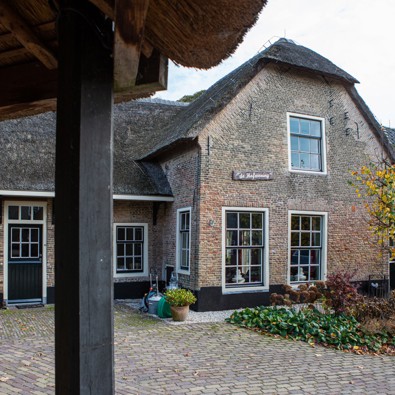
212, 299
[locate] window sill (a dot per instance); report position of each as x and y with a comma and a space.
238, 290
319, 173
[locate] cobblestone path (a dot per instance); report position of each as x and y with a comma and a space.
153, 357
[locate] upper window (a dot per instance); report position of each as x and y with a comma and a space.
307, 151
25, 213
130, 249
307, 247
183, 239
245, 252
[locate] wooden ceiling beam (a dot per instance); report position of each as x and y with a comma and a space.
130, 16
13, 22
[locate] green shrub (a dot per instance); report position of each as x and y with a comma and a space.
336, 330
179, 297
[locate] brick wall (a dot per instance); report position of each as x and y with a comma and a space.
251, 134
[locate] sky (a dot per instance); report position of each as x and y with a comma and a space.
356, 35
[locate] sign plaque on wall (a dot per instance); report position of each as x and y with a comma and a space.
252, 175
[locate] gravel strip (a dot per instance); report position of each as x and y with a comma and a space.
193, 316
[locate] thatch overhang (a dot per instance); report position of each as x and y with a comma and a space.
188, 124
27, 152
194, 33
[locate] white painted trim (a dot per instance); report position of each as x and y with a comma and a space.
145, 198
27, 193
144, 273
324, 242
42, 222
323, 144
115, 196
179, 211
266, 273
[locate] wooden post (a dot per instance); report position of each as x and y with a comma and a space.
84, 289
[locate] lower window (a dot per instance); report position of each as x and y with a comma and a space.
244, 248
130, 249
307, 241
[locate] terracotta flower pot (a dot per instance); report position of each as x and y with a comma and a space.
179, 313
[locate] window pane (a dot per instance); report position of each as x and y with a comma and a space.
34, 250
138, 265
13, 212
256, 274
314, 273
257, 221
186, 221
304, 161
231, 257
256, 256
25, 235
128, 249
295, 257
120, 233
138, 249
305, 239
315, 257
231, 238
129, 234
38, 213
305, 223
15, 250
230, 273
294, 125
185, 240
257, 238
245, 238
25, 251
34, 235
120, 250
304, 257
314, 146
231, 220
295, 160
244, 220
315, 162
294, 143
295, 239
316, 223
15, 234
26, 212
304, 126
295, 222
303, 273
129, 263
120, 264
316, 239
315, 128
304, 145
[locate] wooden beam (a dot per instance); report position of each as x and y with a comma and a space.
130, 18
25, 35
83, 185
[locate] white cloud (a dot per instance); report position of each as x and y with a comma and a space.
356, 35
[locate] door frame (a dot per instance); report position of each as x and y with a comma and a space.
6, 224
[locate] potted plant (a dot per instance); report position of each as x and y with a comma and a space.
179, 300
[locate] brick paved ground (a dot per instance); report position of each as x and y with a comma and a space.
156, 358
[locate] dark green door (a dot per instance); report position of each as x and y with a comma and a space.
25, 267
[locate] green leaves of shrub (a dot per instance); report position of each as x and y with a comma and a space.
339, 331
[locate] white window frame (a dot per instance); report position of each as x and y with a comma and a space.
324, 243
144, 273
43, 223
178, 241
323, 144
265, 271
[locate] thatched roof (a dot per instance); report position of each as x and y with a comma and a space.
193, 33
390, 133
191, 121
27, 152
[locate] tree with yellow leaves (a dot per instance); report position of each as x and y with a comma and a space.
375, 183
